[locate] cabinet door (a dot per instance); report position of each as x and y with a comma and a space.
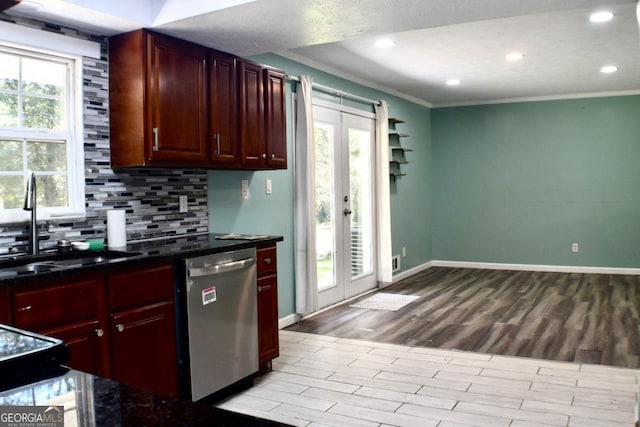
275, 119
143, 351
223, 126
87, 345
268, 345
251, 114
138, 287
177, 101
59, 304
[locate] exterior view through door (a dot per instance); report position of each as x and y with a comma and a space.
344, 211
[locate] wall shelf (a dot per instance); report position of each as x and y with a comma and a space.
397, 156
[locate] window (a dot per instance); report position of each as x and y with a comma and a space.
40, 131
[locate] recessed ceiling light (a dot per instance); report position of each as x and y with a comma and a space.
453, 82
601, 16
514, 56
608, 69
385, 43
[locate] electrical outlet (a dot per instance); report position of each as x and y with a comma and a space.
575, 248
184, 204
404, 252
395, 263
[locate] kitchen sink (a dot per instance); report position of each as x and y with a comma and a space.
55, 260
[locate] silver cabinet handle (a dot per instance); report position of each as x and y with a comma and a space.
25, 308
264, 155
99, 332
216, 137
273, 156
267, 260
120, 327
155, 139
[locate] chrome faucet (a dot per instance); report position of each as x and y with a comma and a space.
30, 205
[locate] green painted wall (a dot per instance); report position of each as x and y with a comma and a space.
519, 183
410, 195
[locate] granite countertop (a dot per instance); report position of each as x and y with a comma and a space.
94, 401
166, 249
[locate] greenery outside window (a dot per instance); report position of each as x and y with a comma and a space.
41, 132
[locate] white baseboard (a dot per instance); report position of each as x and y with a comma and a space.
410, 272
287, 321
536, 267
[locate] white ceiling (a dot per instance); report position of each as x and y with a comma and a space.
434, 40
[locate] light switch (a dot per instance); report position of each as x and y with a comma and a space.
245, 189
268, 187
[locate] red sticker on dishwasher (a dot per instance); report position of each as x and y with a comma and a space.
209, 295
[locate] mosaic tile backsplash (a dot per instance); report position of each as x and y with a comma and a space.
149, 196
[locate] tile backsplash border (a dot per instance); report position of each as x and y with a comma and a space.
149, 196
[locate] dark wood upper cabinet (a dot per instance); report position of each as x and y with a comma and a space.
177, 100
223, 123
275, 118
251, 114
262, 117
158, 101
178, 104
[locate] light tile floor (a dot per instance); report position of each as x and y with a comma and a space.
326, 381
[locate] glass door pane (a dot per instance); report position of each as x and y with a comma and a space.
360, 189
325, 208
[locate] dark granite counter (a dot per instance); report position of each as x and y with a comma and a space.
166, 249
94, 401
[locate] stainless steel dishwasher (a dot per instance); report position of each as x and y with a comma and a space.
222, 320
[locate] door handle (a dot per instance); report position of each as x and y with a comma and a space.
347, 212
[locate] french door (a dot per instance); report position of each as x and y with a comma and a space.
344, 211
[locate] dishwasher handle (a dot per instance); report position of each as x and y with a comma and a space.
213, 269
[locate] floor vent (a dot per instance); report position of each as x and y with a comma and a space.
395, 263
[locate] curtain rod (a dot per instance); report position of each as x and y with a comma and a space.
334, 91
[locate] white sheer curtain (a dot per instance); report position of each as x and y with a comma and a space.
385, 268
304, 202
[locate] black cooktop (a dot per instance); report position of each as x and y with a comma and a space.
26, 356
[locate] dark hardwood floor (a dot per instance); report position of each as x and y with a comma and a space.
586, 318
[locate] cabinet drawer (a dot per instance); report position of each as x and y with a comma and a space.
58, 305
267, 261
140, 287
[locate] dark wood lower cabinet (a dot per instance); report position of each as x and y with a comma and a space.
118, 325
268, 342
86, 342
143, 347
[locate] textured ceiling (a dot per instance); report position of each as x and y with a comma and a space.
435, 40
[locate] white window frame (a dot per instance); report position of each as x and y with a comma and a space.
73, 136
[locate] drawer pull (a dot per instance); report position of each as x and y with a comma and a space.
120, 327
99, 332
267, 260
25, 308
